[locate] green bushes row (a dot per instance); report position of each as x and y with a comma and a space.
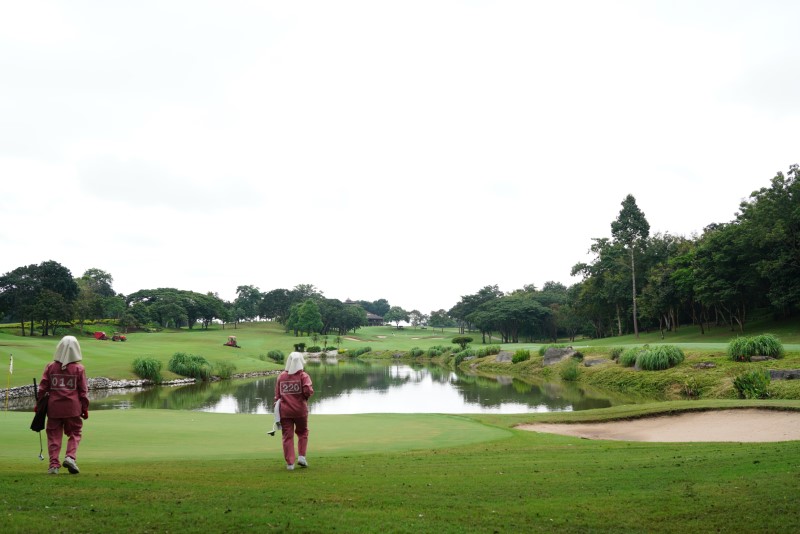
742, 349
488, 350
416, 352
359, 351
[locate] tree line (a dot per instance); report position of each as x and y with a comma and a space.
634, 281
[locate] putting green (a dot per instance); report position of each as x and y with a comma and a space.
144, 435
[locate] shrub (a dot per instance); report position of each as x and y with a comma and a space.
433, 352
628, 357
544, 348
521, 355
488, 350
315, 348
462, 341
462, 355
147, 369
742, 349
752, 384
578, 356
276, 356
360, 351
190, 365
442, 348
615, 352
659, 358
570, 371
416, 352
224, 370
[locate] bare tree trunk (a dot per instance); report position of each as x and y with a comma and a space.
619, 322
633, 280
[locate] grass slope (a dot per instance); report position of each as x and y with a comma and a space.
184, 471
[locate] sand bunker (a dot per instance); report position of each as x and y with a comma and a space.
749, 425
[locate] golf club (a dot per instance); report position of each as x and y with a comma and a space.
272, 432
41, 447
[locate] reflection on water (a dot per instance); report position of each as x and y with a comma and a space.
349, 387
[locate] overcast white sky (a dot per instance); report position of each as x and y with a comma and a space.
411, 150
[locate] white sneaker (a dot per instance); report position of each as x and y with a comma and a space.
70, 464
52, 471
290, 467
302, 461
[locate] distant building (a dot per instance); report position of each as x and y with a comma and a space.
372, 319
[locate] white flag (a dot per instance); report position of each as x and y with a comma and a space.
11, 365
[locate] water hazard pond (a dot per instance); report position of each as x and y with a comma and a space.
351, 387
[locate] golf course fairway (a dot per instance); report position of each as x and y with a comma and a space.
180, 471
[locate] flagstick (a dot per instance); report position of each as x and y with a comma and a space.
8, 383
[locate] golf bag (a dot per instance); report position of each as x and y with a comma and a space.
38, 423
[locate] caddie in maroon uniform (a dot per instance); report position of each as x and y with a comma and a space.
65, 380
293, 388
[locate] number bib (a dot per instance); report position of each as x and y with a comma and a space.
63, 382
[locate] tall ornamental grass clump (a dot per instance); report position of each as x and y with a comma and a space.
752, 384
147, 369
190, 365
416, 352
359, 351
659, 358
521, 355
650, 358
628, 357
570, 371
224, 370
742, 349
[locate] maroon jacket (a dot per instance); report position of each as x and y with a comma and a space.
69, 391
294, 391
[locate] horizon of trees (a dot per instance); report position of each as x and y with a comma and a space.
661, 281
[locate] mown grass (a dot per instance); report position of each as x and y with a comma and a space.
159, 471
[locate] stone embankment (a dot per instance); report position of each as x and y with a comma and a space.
101, 383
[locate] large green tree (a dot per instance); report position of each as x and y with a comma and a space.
395, 315
631, 229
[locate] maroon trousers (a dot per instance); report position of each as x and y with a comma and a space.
56, 428
289, 427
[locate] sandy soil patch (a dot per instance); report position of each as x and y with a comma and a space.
352, 339
750, 425
381, 337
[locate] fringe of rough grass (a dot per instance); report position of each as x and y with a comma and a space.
742, 349
147, 369
190, 365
